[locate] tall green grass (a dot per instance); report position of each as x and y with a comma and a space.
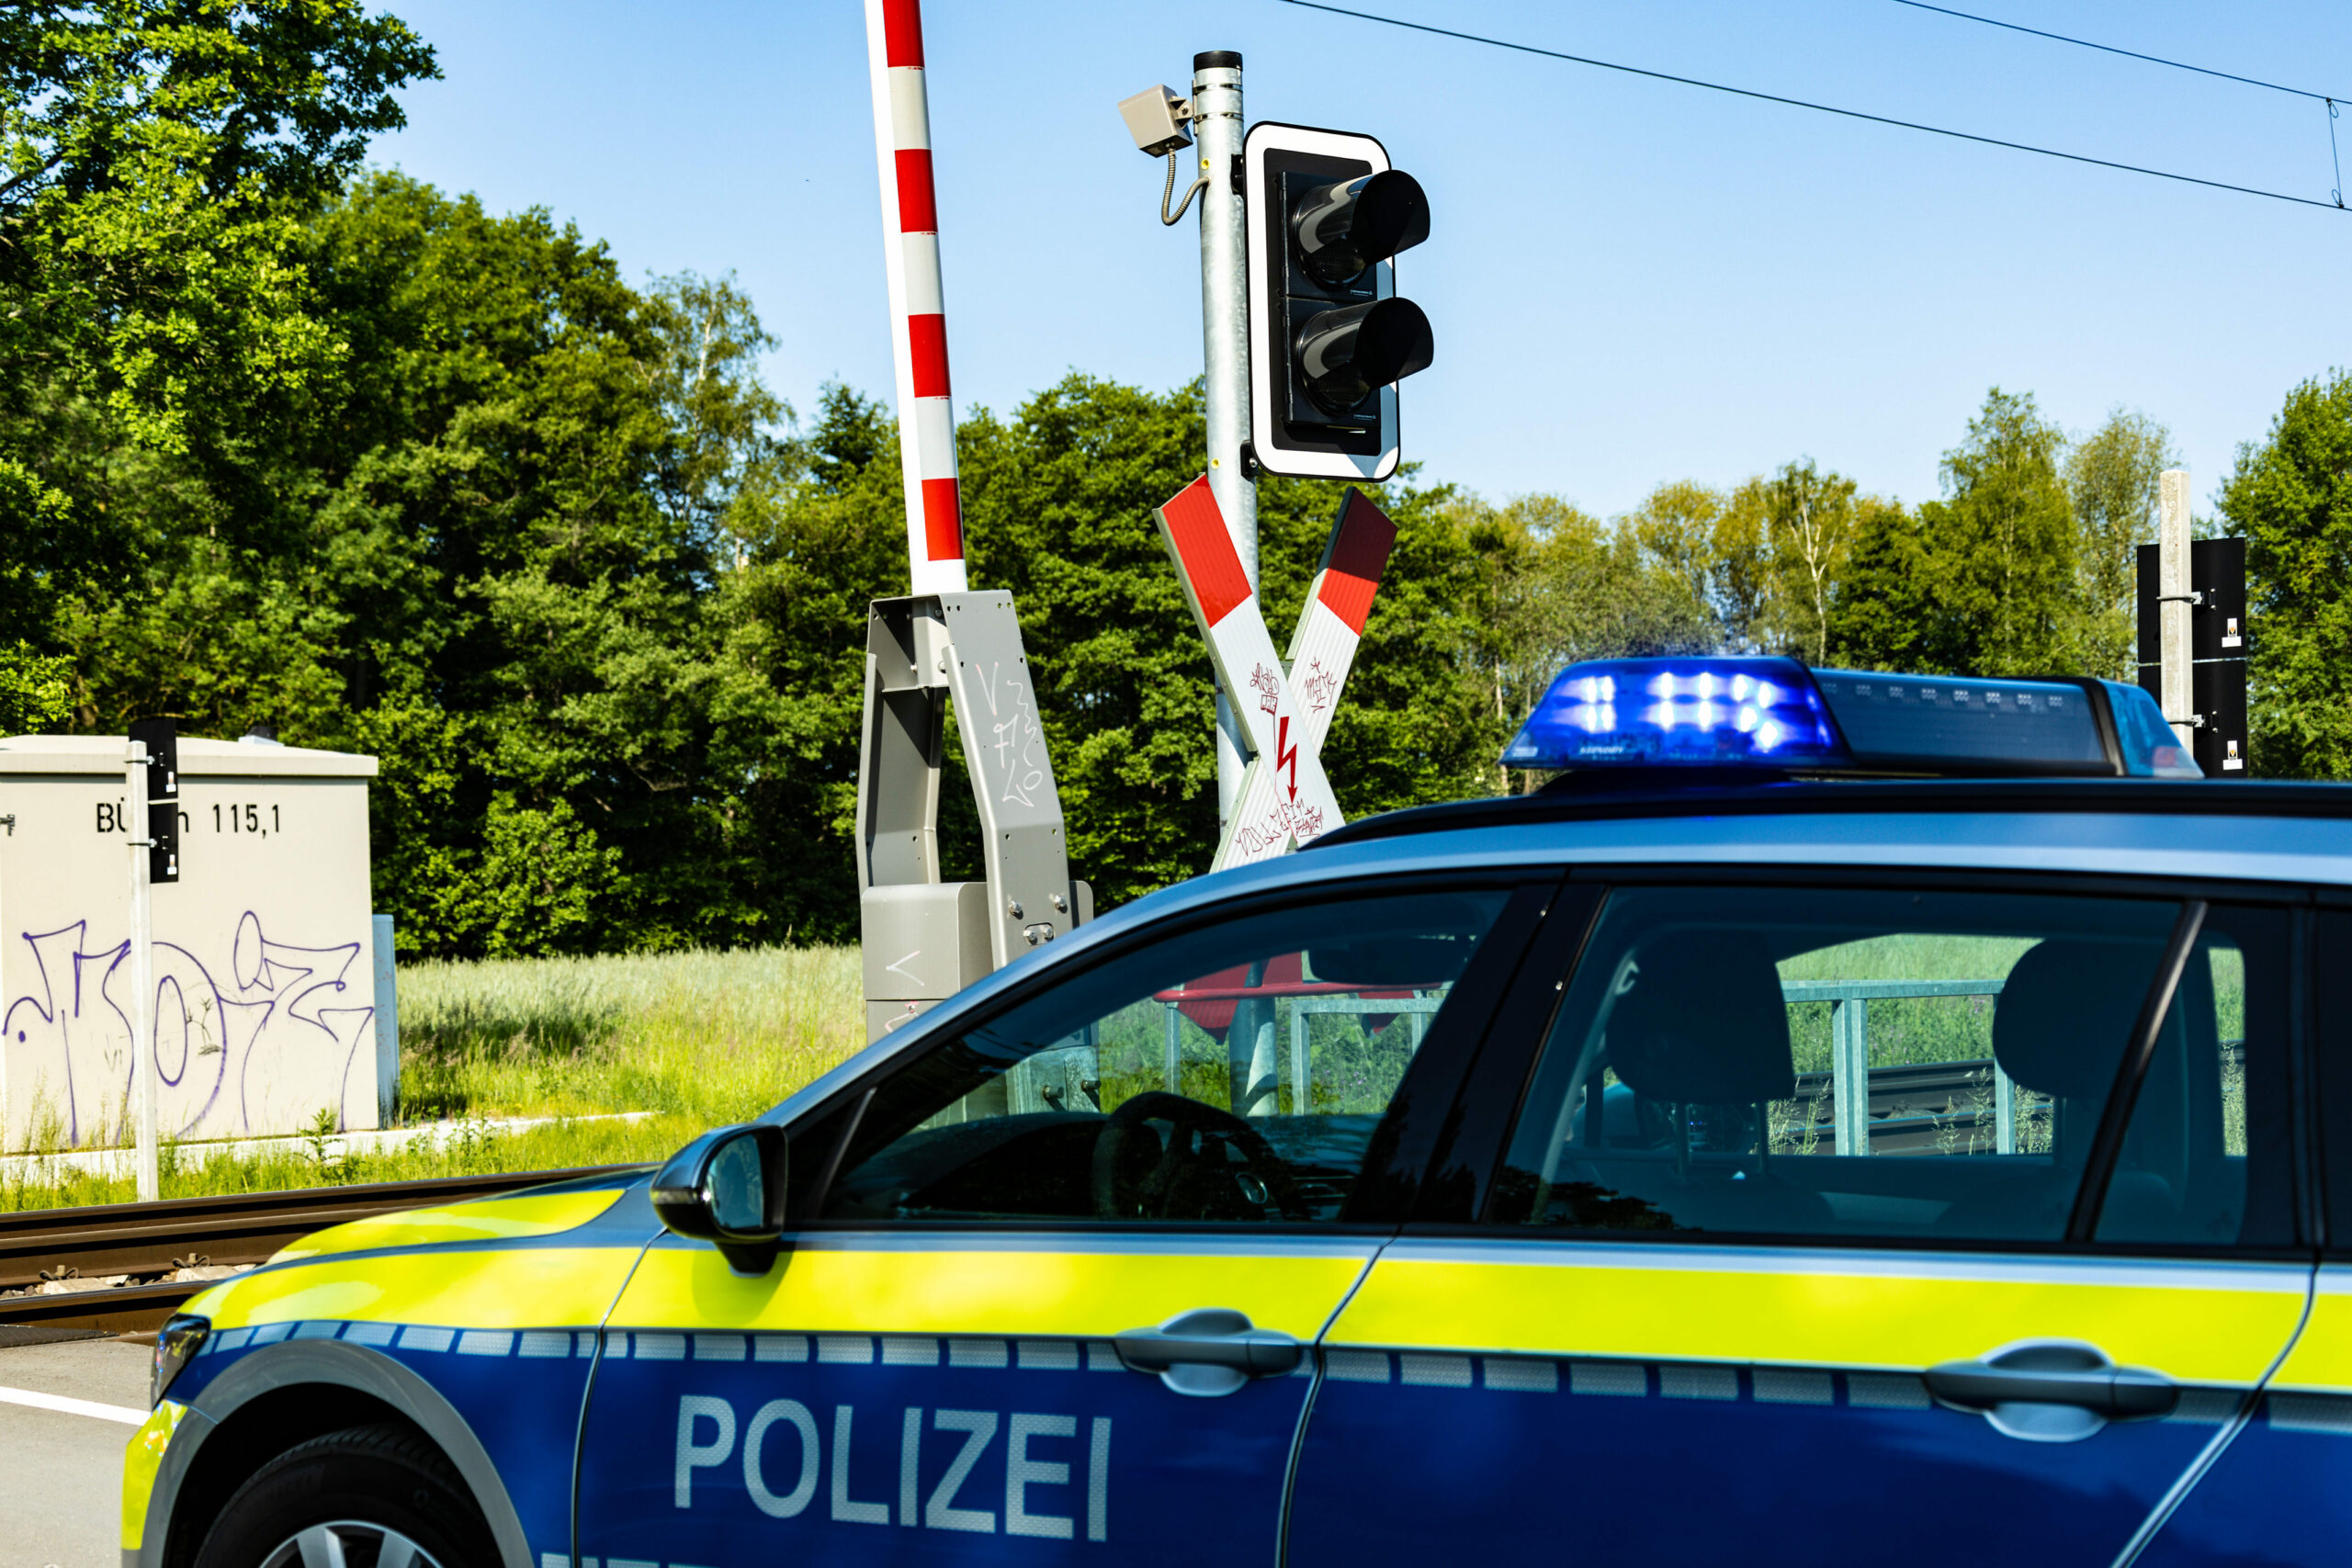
696, 1039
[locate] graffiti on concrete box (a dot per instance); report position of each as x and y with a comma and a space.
251, 1046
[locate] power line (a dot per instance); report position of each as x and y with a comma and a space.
1818, 108
2127, 53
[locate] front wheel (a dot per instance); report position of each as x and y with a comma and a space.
377, 1496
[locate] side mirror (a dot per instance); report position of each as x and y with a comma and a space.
728, 1187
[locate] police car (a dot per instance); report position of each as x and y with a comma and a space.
1842, 1115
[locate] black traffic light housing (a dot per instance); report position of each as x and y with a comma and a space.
1329, 336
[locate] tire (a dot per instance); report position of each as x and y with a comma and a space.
388, 1497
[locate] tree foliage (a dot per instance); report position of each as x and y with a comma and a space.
1983, 582
2291, 495
156, 159
2114, 478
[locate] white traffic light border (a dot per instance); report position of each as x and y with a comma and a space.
1285, 704
1266, 399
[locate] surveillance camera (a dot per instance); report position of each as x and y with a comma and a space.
1156, 119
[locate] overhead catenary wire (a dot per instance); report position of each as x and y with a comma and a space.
1818, 108
2127, 53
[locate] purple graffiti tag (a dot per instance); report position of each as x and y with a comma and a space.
269, 1026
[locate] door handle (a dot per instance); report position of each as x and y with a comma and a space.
2052, 1390
1208, 1351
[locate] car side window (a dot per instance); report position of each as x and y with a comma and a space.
1233, 1072
1865, 1063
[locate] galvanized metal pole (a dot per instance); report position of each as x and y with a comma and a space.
142, 977
2173, 606
1225, 341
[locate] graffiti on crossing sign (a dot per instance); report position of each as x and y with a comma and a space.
1286, 798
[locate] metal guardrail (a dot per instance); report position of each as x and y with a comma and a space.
1849, 1052
1419, 1009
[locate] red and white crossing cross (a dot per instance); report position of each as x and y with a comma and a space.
1286, 705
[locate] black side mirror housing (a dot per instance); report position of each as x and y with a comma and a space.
728, 1187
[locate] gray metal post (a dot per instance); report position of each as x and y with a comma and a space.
1302, 1067
387, 1024
1175, 1062
1225, 343
143, 979
1849, 1068
2173, 605
2004, 1112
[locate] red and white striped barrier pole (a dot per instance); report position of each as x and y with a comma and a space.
918, 315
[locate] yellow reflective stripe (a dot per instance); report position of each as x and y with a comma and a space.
985, 1291
2322, 1359
2225, 1333
141, 1461
533, 1287
492, 1219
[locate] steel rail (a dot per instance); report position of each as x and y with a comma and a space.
235, 1229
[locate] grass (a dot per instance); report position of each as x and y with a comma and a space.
697, 1039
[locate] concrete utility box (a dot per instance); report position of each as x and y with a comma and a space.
263, 949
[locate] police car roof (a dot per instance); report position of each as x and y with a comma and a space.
1624, 795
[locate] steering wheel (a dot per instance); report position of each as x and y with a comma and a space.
1195, 1175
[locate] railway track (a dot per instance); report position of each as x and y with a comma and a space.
138, 1239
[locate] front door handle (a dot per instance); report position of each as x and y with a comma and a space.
1209, 1351
2053, 1390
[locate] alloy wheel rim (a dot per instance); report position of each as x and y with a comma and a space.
348, 1543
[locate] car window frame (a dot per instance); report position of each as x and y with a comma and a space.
1514, 1048
1429, 1091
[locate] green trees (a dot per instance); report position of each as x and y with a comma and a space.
2113, 477
156, 161
1983, 582
2291, 495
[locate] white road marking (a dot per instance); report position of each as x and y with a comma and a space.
59, 1402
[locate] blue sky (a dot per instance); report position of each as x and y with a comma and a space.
1630, 281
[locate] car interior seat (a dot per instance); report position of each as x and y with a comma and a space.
1706, 1024
2060, 1028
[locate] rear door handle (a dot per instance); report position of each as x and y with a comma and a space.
1209, 1351
2053, 1390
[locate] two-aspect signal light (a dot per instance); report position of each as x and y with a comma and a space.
1331, 338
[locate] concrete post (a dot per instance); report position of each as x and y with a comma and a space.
388, 1023
2173, 606
1225, 341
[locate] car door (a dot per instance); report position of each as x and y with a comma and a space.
2276, 1494
1813, 1237
1054, 1301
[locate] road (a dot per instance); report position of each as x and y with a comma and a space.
60, 1471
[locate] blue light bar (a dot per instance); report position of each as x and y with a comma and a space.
1680, 712
1933, 722
1776, 714
2150, 751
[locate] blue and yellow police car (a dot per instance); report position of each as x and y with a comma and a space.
1839, 1115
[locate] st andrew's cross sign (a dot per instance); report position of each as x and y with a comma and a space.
1285, 704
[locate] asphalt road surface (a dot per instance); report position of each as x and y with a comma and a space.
61, 1470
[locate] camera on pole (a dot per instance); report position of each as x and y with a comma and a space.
162, 736
1329, 336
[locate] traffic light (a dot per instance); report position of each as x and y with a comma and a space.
1329, 336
